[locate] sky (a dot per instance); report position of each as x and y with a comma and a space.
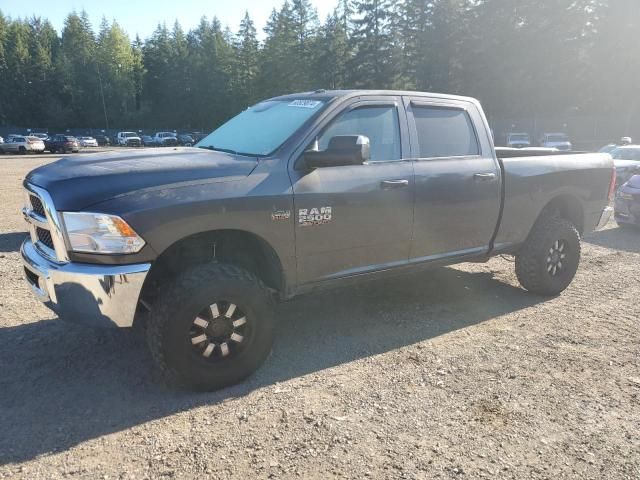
142, 16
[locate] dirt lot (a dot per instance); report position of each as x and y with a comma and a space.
456, 373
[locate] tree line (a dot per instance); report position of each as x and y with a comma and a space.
519, 57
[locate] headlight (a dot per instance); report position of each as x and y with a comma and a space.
100, 233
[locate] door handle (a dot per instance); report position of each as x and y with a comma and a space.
387, 184
484, 176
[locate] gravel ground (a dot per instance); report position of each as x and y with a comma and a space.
454, 373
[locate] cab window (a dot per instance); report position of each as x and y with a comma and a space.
380, 124
444, 132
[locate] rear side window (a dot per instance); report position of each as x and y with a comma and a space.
445, 132
379, 123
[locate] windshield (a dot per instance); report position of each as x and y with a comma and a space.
626, 154
130, 134
557, 138
261, 129
519, 138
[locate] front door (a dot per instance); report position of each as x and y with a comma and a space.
458, 193
358, 218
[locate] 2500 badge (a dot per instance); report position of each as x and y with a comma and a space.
314, 216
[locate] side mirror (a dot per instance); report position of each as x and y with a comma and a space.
342, 150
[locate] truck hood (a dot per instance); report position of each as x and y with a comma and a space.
78, 182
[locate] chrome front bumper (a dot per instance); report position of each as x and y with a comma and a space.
605, 217
97, 295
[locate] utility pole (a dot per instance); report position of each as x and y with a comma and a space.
104, 106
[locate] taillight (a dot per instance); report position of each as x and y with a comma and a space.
612, 185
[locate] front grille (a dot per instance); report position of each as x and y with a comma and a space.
45, 231
44, 236
32, 277
36, 205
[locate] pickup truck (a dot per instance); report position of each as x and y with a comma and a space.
128, 139
165, 139
297, 193
518, 140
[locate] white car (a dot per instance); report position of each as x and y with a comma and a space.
23, 144
41, 136
87, 142
627, 161
556, 140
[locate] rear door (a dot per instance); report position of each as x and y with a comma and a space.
458, 184
358, 218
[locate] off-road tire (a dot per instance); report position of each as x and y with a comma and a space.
179, 303
532, 260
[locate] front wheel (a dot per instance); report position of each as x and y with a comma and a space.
549, 259
211, 327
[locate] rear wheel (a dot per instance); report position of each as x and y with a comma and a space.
211, 327
22, 150
549, 259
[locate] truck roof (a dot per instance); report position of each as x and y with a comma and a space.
333, 94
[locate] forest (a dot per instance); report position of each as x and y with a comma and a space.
521, 58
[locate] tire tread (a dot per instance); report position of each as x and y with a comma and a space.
178, 292
527, 264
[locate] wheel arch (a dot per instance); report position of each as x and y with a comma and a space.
238, 247
566, 206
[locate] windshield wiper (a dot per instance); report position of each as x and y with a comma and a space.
233, 152
216, 149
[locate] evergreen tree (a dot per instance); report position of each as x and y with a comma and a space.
78, 71
333, 54
373, 64
246, 47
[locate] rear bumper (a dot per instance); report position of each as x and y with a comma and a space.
604, 218
96, 295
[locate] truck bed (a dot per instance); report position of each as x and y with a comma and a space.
533, 179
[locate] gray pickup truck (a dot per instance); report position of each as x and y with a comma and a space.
296, 193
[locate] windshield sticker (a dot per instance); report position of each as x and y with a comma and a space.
304, 103
314, 216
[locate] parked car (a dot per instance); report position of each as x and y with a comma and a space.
1, 140
103, 140
518, 140
197, 136
62, 143
626, 160
612, 146
41, 136
129, 139
608, 148
627, 204
556, 140
186, 140
87, 142
22, 144
186, 242
147, 141
165, 139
